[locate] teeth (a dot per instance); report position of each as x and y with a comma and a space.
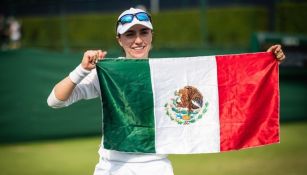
138, 48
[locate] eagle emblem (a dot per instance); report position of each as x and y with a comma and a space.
187, 106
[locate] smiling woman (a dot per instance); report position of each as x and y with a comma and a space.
134, 35
136, 42
134, 32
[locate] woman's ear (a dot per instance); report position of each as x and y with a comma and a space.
119, 41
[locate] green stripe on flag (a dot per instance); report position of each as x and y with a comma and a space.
124, 100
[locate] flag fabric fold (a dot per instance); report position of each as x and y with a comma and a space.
190, 105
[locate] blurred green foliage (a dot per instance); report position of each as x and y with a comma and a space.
291, 18
228, 27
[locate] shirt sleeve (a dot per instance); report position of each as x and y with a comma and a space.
88, 88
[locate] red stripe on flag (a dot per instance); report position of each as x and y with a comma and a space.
248, 100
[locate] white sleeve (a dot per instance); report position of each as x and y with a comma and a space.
88, 88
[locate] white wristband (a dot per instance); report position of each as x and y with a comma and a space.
78, 74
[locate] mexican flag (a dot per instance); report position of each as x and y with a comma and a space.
190, 105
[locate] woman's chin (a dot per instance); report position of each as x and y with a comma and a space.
139, 55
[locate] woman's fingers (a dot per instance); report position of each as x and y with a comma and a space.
91, 57
102, 54
96, 55
279, 54
274, 48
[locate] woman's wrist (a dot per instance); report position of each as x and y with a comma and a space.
77, 75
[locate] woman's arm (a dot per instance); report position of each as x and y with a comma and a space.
63, 90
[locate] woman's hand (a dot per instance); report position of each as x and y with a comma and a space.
279, 54
91, 57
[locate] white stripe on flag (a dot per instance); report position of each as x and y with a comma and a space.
171, 74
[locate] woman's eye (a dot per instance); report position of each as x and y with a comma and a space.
130, 35
144, 32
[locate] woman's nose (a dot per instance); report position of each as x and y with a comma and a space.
138, 39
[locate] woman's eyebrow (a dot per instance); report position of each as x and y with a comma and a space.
144, 29
130, 31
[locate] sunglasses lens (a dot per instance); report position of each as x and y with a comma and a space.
142, 16
129, 17
126, 19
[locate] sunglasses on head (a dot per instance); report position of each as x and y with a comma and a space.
128, 18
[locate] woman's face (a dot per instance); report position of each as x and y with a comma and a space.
136, 41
